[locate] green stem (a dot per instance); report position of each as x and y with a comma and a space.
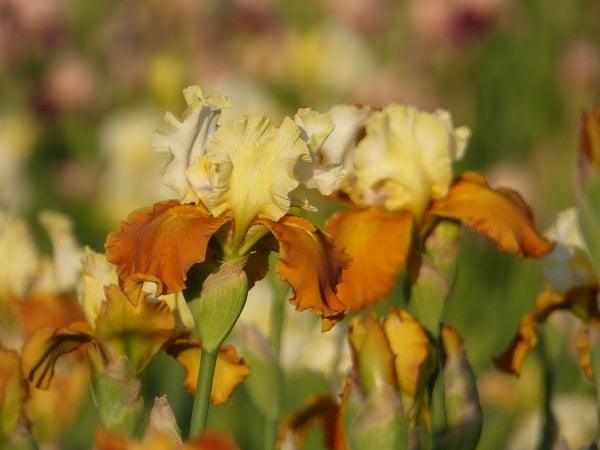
275, 335
208, 363
549, 427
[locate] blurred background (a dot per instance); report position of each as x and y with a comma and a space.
84, 83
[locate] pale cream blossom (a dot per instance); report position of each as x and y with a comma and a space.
568, 265
405, 159
246, 167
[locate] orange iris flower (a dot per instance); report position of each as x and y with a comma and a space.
238, 182
399, 183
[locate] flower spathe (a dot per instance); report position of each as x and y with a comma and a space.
237, 182
399, 182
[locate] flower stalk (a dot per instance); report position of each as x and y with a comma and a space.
215, 313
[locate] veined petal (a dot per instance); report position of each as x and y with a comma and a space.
379, 243
500, 214
256, 163
187, 139
46, 345
162, 241
230, 370
405, 159
130, 326
310, 263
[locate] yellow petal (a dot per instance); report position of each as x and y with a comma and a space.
379, 243
230, 370
46, 345
404, 161
310, 263
132, 327
256, 163
372, 356
412, 355
500, 214
163, 241
186, 140
97, 274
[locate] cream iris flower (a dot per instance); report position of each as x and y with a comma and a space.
238, 181
399, 181
405, 159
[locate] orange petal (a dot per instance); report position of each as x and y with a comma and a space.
526, 339
583, 345
46, 345
310, 263
163, 241
500, 214
230, 370
379, 243
12, 391
138, 332
48, 309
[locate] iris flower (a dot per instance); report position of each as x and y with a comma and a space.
238, 183
398, 183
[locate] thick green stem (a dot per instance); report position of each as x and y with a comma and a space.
208, 363
215, 313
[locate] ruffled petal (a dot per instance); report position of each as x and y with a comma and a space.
255, 162
526, 339
500, 214
310, 263
46, 345
163, 241
405, 159
379, 243
186, 140
230, 370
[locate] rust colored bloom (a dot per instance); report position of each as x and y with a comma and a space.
398, 184
237, 182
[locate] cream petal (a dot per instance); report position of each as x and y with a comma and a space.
186, 139
20, 258
568, 264
97, 274
348, 121
405, 159
66, 250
